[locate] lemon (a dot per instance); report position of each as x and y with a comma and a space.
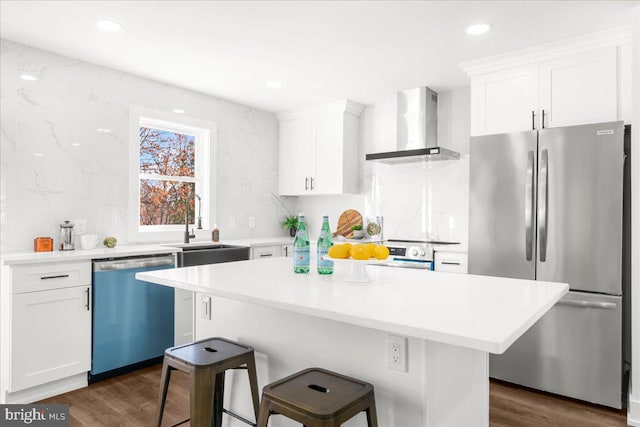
339, 251
371, 247
381, 252
360, 252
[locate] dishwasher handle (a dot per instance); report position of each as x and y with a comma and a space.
129, 264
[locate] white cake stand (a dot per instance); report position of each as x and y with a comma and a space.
357, 272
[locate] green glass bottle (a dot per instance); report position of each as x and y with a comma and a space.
301, 247
325, 266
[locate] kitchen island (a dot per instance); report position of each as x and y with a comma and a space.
451, 323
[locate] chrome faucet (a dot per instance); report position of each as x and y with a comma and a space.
191, 235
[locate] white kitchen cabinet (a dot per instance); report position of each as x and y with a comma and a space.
258, 252
51, 337
451, 262
183, 323
318, 150
45, 329
580, 88
562, 84
504, 101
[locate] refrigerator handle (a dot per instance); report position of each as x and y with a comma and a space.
528, 207
543, 201
533, 120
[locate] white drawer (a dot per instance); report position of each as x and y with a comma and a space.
450, 262
266, 251
30, 278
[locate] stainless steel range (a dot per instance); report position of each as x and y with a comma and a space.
412, 253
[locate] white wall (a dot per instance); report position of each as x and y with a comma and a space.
634, 396
419, 200
68, 102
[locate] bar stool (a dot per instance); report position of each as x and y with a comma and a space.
206, 362
318, 398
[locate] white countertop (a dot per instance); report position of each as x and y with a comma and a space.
478, 312
127, 250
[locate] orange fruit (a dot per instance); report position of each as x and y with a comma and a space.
381, 252
360, 252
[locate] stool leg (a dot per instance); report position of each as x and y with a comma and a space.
372, 417
253, 384
202, 386
164, 386
263, 416
218, 400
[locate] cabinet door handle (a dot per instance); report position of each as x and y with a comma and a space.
286, 251
542, 119
450, 263
88, 304
61, 276
311, 184
306, 182
533, 120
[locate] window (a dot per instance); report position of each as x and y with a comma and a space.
170, 164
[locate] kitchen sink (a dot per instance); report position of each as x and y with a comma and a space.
211, 254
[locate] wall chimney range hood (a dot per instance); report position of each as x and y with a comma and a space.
417, 130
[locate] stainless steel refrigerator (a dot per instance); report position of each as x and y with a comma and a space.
548, 205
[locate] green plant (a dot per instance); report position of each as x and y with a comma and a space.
290, 221
357, 227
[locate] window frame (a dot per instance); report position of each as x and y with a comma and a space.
205, 133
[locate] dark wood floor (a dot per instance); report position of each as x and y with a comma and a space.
130, 400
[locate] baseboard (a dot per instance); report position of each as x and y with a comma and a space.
633, 411
44, 391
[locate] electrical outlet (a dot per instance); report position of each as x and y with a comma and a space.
397, 353
252, 222
80, 226
232, 222
205, 307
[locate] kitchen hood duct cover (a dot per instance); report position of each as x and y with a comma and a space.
417, 130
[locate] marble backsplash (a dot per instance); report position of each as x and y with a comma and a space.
55, 165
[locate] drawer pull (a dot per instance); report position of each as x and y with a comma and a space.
265, 254
61, 276
450, 263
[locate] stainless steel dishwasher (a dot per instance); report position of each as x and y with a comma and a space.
132, 320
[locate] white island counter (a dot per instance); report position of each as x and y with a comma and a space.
296, 321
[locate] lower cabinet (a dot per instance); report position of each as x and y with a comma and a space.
51, 337
451, 262
183, 309
258, 252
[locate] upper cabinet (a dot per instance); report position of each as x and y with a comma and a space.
319, 149
566, 83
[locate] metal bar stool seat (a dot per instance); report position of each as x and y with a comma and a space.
206, 362
317, 397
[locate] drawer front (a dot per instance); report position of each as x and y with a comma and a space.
266, 251
30, 278
451, 262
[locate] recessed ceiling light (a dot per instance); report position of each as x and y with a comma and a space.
178, 111
477, 29
103, 130
76, 144
274, 84
38, 154
28, 77
109, 26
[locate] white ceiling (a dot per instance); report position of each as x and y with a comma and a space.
321, 51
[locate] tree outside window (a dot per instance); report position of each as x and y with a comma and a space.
167, 176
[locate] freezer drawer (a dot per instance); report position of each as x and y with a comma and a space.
575, 350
